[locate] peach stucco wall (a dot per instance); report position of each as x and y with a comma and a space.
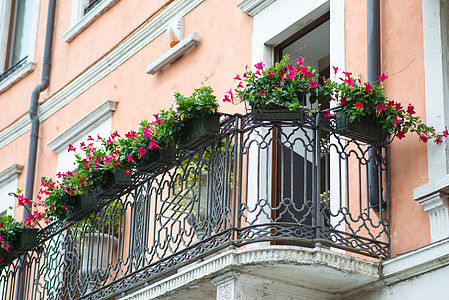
402, 60
223, 51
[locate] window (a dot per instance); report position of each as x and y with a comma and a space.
84, 13
18, 29
8, 184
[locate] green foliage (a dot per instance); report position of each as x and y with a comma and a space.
201, 102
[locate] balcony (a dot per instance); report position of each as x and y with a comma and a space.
283, 185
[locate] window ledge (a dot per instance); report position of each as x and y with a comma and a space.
16, 76
173, 54
88, 19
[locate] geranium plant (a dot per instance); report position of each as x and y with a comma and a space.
357, 100
281, 85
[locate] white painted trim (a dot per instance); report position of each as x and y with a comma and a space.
16, 76
101, 69
9, 174
5, 8
173, 54
85, 125
79, 22
253, 7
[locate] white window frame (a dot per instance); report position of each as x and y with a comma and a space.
80, 21
28, 67
9, 180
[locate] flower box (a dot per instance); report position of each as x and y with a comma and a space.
277, 114
112, 183
25, 239
83, 206
364, 129
200, 131
158, 159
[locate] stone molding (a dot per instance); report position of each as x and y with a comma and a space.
82, 127
253, 7
235, 260
101, 69
436, 206
11, 173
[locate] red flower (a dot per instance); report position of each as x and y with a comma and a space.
343, 100
313, 84
335, 70
383, 77
152, 145
396, 121
142, 151
398, 106
262, 92
300, 60
130, 158
423, 137
368, 87
65, 207
259, 66
237, 77
128, 172
400, 134
358, 105
226, 99
410, 109
5, 246
328, 114
438, 141
380, 108
131, 134
71, 148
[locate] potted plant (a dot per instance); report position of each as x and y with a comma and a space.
365, 114
279, 92
152, 147
200, 120
15, 239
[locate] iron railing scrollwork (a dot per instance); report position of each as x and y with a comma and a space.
282, 183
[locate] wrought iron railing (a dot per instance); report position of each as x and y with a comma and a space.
282, 183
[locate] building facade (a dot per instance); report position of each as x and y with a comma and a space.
265, 210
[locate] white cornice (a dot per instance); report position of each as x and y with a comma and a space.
16, 76
88, 19
101, 69
10, 173
83, 126
253, 7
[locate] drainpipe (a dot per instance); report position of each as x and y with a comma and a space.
373, 63
34, 106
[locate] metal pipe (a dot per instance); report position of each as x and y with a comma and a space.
373, 61
34, 105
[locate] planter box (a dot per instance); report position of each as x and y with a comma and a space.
158, 160
200, 131
83, 206
278, 114
364, 129
112, 184
25, 239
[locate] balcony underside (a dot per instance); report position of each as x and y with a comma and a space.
273, 272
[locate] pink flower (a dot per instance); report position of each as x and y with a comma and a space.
65, 207
240, 85
147, 132
107, 160
128, 172
313, 84
291, 75
300, 60
343, 100
259, 66
396, 121
358, 105
142, 151
438, 141
368, 87
226, 99
335, 69
445, 132
410, 109
383, 77
237, 77
400, 134
380, 108
5, 246
347, 74
328, 114
71, 148
152, 145
130, 158
423, 137
262, 92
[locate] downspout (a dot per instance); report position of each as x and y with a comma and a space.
34, 106
373, 64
